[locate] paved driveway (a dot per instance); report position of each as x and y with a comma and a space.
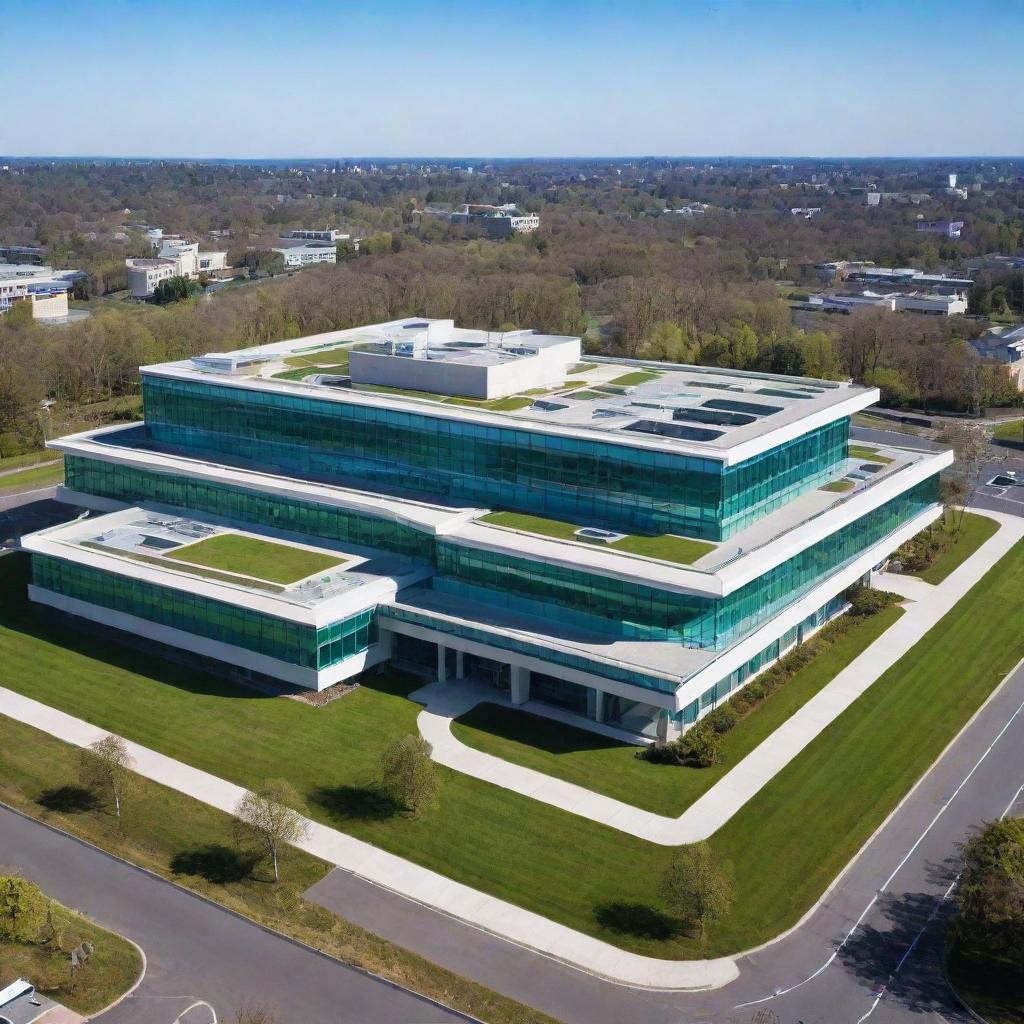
198, 952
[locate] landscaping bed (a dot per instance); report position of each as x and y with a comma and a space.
945, 545
613, 769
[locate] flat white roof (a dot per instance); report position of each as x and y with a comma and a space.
727, 415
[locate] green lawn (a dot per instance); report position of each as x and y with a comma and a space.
666, 547
107, 974
860, 451
976, 529
251, 556
34, 477
838, 485
29, 459
195, 845
628, 380
609, 767
1012, 430
786, 844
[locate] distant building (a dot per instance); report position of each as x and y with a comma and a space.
1004, 345
895, 302
872, 198
303, 254
44, 288
690, 210
317, 234
177, 257
949, 228
499, 221
807, 212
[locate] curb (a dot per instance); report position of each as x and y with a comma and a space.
145, 962
239, 916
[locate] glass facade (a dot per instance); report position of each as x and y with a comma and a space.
712, 696
292, 642
238, 505
616, 606
579, 479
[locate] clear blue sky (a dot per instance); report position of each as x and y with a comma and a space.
383, 77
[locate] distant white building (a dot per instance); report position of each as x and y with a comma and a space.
906, 302
689, 210
177, 257
306, 253
499, 221
807, 212
949, 228
44, 288
317, 234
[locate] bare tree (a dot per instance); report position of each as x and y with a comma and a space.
972, 454
267, 815
254, 1013
107, 765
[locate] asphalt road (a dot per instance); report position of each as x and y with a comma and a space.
871, 951
198, 953
1008, 499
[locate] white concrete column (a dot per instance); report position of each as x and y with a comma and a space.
460, 664
520, 684
599, 706
386, 639
442, 666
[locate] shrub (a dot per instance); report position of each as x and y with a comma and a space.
722, 719
867, 601
702, 747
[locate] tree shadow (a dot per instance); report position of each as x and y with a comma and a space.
362, 803
68, 799
638, 919
876, 953
215, 863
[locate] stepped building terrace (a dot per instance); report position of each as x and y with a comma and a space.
628, 541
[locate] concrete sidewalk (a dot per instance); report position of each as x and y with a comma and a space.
927, 604
402, 876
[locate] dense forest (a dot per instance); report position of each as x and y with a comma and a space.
607, 263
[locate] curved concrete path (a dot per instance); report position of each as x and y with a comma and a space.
927, 604
401, 876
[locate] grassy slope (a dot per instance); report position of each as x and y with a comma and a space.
34, 477
109, 972
667, 547
975, 531
807, 822
35, 458
195, 845
1011, 431
611, 768
250, 556
868, 454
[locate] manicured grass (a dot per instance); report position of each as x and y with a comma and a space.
533, 524
975, 530
838, 485
583, 368
609, 767
334, 358
35, 477
196, 846
860, 451
988, 986
107, 974
666, 547
628, 380
1012, 430
35, 458
786, 844
250, 556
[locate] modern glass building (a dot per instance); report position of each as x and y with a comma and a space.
629, 541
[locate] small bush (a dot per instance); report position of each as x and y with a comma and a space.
702, 747
722, 719
867, 601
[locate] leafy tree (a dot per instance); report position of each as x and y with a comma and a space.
106, 765
23, 909
267, 815
409, 775
990, 899
175, 288
698, 887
